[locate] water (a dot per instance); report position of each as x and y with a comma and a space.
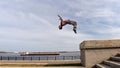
62, 56
70, 54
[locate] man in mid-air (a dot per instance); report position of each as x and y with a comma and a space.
65, 22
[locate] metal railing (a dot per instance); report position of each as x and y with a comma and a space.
40, 58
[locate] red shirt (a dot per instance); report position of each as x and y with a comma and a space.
66, 22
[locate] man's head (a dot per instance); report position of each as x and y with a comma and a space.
60, 27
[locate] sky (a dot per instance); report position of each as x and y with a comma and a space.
32, 25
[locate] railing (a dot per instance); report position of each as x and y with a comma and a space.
41, 58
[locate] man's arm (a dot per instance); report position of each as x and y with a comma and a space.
60, 18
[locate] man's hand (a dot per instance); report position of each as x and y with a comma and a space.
60, 17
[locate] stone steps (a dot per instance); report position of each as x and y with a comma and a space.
118, 55
115, 59
102, 66
113, 62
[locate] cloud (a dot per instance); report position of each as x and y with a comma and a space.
32, 25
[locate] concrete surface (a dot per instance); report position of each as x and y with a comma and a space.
94, 44
39, 62
96, 51
44, 62
41, 67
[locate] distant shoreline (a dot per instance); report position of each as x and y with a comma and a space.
40, 53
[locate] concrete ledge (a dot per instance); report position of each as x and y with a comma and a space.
96, 51
100, 44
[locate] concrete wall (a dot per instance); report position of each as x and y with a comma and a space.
95, 51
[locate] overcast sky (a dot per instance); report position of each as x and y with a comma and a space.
32, 25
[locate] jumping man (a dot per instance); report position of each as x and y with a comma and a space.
65, 22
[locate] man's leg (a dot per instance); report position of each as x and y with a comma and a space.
74, 26
74, 29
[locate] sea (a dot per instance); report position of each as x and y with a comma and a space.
62, 56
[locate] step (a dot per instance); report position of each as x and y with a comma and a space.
112, 64
118, 55
102, 66
115, 59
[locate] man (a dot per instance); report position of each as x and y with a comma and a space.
65, 22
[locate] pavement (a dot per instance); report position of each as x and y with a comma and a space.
39, 62
44, 62
42, 67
